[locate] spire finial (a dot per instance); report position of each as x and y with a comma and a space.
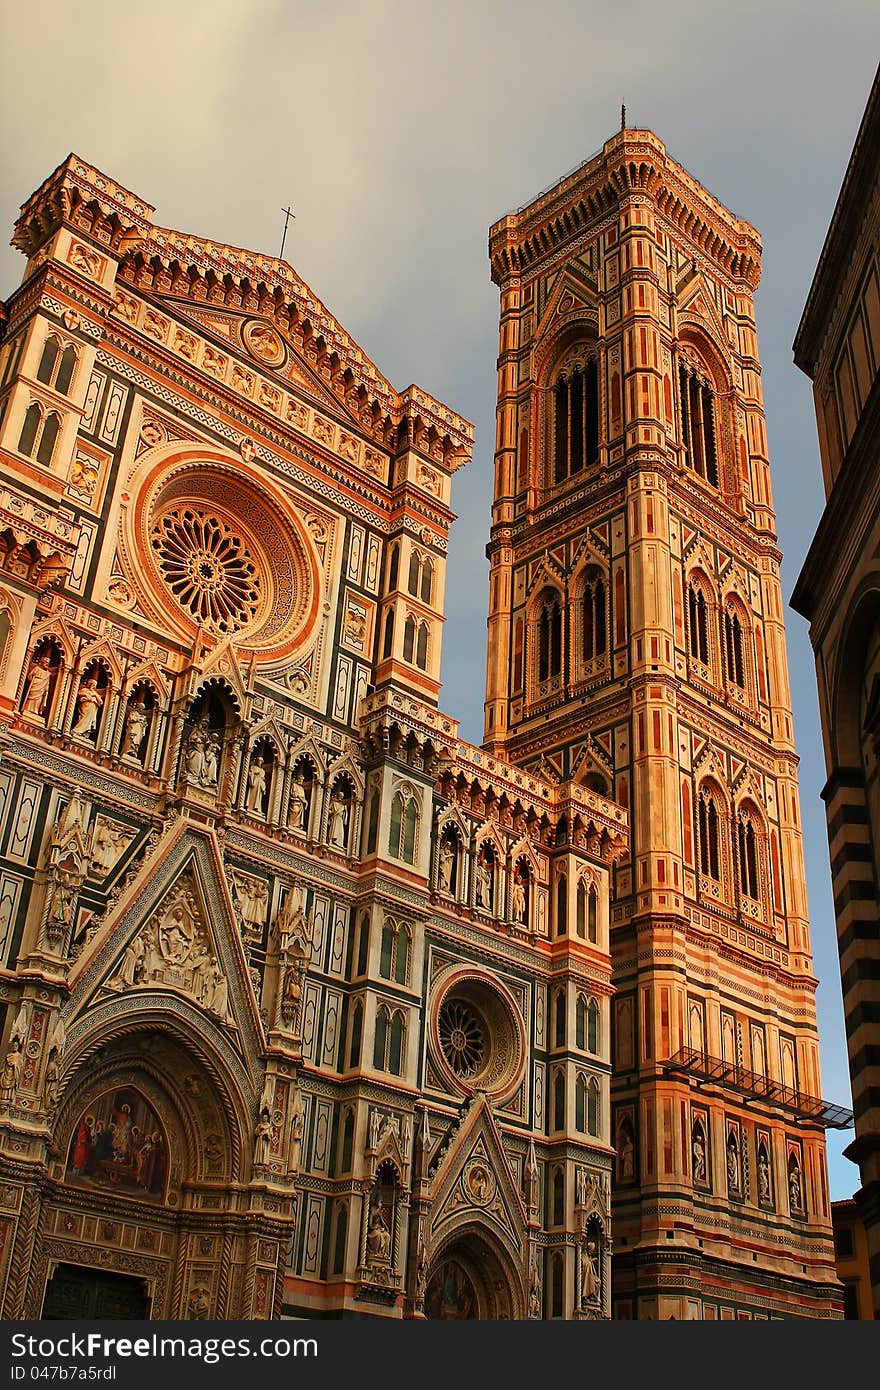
622, 116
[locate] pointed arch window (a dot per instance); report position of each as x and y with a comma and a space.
708, 836
559, 1028
363, 954
559, 1100
420, 579
593, 1026
404, 826
347, 1143
357, 1028
46, 446
32, 420
409, 638
561, 905
593, 1107
698, 623
549, 637
734, 664
415, 566
422, 647
580, 1023
393, 567
592, 914
427, 584
594, 617
558, 1209
339, 1238
380, 1039
557, 1286
47, 361
388, 639
574, 418
395, 1044
697, 400
747, 856
580, 1103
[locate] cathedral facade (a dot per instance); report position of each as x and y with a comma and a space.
298, 1019
311, 1007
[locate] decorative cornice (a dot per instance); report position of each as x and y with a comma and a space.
633, 162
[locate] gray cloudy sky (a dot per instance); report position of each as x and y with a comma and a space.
399, 132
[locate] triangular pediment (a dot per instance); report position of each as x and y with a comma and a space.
290, 368
171, 941
474, 1182
573, 296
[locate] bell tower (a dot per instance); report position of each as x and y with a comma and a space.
637, 646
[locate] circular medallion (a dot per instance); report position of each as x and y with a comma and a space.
479, 1182
263, 342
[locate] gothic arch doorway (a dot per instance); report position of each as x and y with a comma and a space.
468, 1281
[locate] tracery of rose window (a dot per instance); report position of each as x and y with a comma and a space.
462, 1037
208, 568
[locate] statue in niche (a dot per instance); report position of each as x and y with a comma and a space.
338, 825
201, 757
52, 1082
217, 996
65, 886
9, 1076
211, 771
446, 865
794, 1188
518, 901
698, 1149
590, 1286
39, 681
194, 755
763, 1175
421, 1271
263, 1137
733, 1162
256, 785
298, 802
625, 1151
378, 1238
296, 1131
136, 723
88, 704
291, 997
483, 895
535, 1289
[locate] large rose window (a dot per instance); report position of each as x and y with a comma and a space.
477, 1034
225, 553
